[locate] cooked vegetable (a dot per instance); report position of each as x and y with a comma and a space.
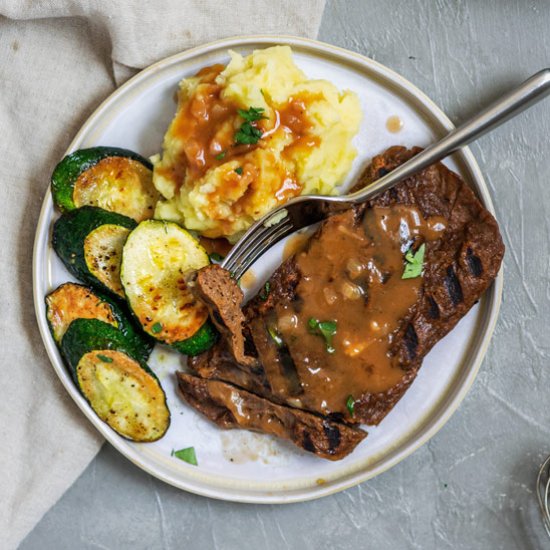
216, 257
89, 241
123, 392
84, 335
202, 340
157, 261
414, 263
326, 329
187, 455
71, 301
115, 179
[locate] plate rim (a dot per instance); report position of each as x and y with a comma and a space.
428, 427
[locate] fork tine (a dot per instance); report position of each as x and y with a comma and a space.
255, 232
246, 259
248, 243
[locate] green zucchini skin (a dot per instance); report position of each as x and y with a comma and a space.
200, 342
146, 241
69, 169
70, 232
84, 335
136, 340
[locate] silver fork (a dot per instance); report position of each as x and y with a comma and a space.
309, 209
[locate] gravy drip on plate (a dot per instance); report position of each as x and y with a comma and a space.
394, 124
352, 275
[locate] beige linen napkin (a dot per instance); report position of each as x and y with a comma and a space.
58, 60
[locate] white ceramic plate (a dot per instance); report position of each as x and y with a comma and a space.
239, 465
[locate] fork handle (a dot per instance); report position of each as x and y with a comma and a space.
527, 94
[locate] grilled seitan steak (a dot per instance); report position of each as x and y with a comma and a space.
348, 320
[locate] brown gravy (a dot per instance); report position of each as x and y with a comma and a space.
295, 244
207, 125
352, 275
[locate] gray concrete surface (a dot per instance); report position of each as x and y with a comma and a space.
472, 485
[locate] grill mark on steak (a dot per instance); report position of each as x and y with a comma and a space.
474, 263
410, 340
433, 310
333, 435
453, 286
232, 407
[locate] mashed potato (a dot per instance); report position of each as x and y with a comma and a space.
248, 137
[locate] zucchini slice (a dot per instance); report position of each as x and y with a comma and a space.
123, 392
117, 180
89, 241
72, 301
157, 261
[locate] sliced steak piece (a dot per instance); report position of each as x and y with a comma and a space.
232, 407
223, 297
219, 363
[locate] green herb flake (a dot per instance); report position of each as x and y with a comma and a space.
220, 156
104, 358
276, 337
187, 455
253, 114
215, 257
350, 404
414, 263
326, 329
156, 328
239, 170
248, 134
264, 293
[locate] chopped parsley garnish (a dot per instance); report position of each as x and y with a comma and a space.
220, 156
239, 170
104, 358
248, 134
350, 404
215, 257
156, 328
187, 455
326, 329
274, 333
264, 293
253, 114
414, 263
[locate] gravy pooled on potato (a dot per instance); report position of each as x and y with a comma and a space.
248, 137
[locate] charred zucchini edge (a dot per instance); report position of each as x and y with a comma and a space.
140, 343
69, 169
